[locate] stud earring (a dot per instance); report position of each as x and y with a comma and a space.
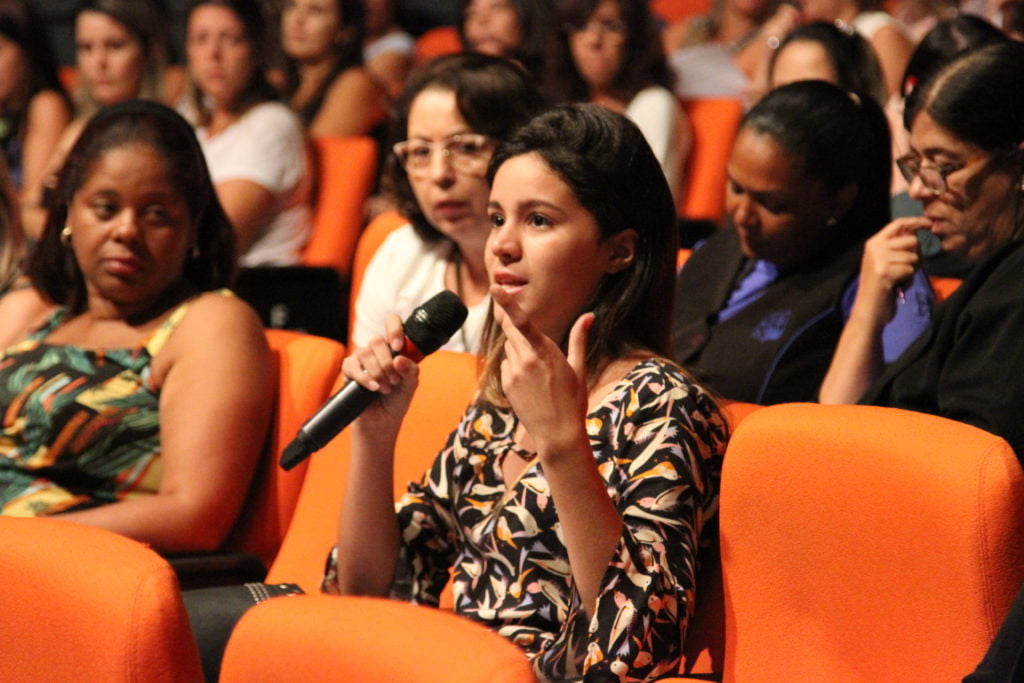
65, 236
832, 221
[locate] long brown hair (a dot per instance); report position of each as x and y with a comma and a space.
606, 162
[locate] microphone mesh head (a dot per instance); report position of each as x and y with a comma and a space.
435, 321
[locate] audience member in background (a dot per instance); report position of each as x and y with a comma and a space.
612, 57
1013, 19
921, 16
759, 308
938, 47
522, 30
966, 166
721, 53
325, 81
889, 38
452, 113
387, 50
12, 240
254, 145
34, 109
121, 49
569, 500
139, 400
824, 52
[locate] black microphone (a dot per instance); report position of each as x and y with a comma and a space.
428, 327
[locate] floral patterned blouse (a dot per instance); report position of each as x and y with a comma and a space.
657, 439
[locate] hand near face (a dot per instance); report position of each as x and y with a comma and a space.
546, 388
395, 377
890, 259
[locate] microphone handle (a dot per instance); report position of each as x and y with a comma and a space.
339, 411
333, 416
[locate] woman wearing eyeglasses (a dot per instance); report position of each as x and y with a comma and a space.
966, 166
449, 119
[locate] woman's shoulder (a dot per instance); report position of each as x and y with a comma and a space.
49, 107
353, 80
22, 311
221, 308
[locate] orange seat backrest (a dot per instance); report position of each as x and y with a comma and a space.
85, 604
372, 237
440, 40
307, 369
345, 170
68, 76
866, 543
704, 647
447, 383
944, 286
331, 638
677, 10
714, 123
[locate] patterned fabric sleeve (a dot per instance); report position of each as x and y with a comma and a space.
670, 439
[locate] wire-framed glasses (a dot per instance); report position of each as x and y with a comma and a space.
933, 176
467, 152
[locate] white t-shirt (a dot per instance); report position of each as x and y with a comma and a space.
656, 111
404, 272
396, 41
267, 146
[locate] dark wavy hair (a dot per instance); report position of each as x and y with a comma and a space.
493, 95
536, 22
606, 162
347, 53
53, 268
851, 57
643, 59
258, 89
838, 138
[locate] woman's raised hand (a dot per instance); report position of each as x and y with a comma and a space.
890, 259
379, 367
546, 388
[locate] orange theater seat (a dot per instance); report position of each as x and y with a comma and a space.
866, 544
85, 604
677, 10
331, 638
308, 367
345, 170
438, 41
714, 123
447, 384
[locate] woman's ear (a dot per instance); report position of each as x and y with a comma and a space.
623, 250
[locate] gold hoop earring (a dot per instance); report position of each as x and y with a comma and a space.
65, 236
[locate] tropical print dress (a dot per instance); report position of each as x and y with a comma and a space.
80, 427
657, 440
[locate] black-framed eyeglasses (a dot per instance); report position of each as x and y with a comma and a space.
468, 152
933, 176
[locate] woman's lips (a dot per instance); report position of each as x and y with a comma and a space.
510, 283
126, 266
451, 210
